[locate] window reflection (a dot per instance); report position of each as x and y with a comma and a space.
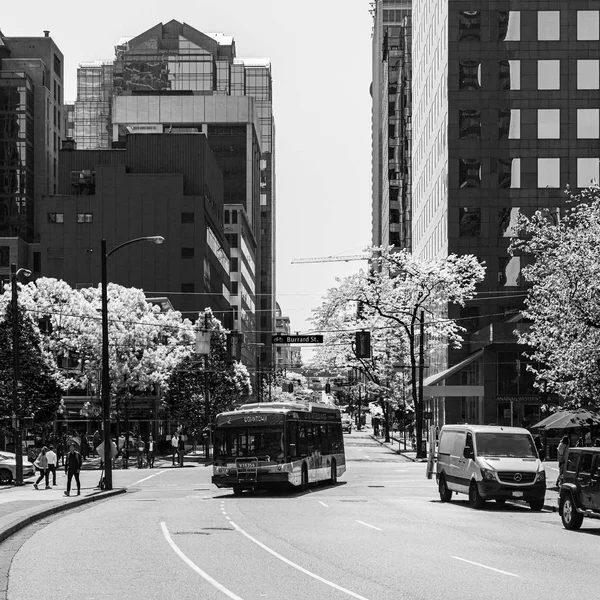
507, 221
469, 224
509, 124
509, 173
509, 25
509, 74
469, 172
548, 25
587, 172
469, 25
549, 124
470, 124
588, 123
548, 74
588, 25
588, 74
509, 271
469, 75
548, 172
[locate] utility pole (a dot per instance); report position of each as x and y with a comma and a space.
206, 392
419, 407
16, 420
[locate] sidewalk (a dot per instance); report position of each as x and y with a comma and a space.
551, 468
22, 505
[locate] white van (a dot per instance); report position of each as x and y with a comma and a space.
489, 463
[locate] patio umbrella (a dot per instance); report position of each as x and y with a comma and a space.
568, 419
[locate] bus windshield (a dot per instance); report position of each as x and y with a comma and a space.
514, 445
238, 442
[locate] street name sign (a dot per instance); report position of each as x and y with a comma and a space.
297, 339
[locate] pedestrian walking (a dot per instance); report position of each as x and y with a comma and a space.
150, 450
561, 455
140, 447
41, 463
85, 447
72, 468
181, 448
174, 445
52, 463
540, 447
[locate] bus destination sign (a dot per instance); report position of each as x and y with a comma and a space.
297, 339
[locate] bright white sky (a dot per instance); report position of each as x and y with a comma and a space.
320, 52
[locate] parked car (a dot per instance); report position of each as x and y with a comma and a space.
580, 487
8, 467
347, 423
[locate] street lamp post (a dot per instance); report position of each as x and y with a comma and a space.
156, 239
15, 392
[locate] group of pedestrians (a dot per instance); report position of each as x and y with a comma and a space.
178, 447
46, 464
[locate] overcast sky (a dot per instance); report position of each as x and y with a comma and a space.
320, 52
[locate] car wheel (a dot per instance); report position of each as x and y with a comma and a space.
537, 504
333, 479
445, 493
475, 499
568, 511
5, 476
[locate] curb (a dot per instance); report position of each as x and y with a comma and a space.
410, 458
36, 515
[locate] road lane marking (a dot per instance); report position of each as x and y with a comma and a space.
287, 561
146, 478
323, 504
195, 567
486, 567
367, 525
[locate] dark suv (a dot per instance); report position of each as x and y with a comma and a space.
580, 487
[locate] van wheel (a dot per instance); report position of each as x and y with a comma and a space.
537, 504
568, 511
333, 479
445, 493
304, 480
475, 499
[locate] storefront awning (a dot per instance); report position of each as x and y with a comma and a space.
433, 379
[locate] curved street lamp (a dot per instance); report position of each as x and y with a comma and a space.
16, 416
156, 239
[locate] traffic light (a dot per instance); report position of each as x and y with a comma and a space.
328, 388
363, 344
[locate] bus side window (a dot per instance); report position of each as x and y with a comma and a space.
302, 440
292, 439
310, 438
325, 439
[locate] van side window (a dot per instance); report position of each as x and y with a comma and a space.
572, 462
469, 442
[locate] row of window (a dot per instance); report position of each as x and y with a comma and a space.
58, 217
509, 172
548, 25
506, 221
548, 123
548, 74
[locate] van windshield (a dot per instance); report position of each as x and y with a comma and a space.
514, 445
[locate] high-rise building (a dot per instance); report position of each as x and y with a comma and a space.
506, 111
391, 131
32, 125
175, 79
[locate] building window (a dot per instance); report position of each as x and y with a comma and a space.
187, 252
469, 73
548, 74
469, 224
588, 120
587, 74
227, 217
234, 268
56, 217
187, 288
234, 217
469, 172
37, 262
509, 173
234, 288
509, 124
263, 199
548, 25
507, 221
58, 66
509, 25
232, 240
548, 124
509, 74
469, 124
548, 172
469, 25
588, 25
4, 256
187, 217
587, 172
85, 217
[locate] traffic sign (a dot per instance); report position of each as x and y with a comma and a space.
297, 339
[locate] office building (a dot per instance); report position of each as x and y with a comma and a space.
32, 126
506, 107
391, 129
175, 79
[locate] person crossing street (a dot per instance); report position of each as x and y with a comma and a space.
72, 468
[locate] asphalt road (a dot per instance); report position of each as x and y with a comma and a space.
381, 533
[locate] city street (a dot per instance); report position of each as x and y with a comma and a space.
380, 533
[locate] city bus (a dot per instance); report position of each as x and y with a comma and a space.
270, 444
